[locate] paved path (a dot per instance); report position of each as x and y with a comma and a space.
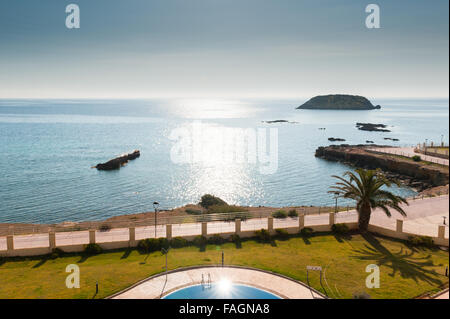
409, 152
161, 285
424, 216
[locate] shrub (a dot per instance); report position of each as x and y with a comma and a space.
421, 241
92, 249
279, 214
209, 200
200, 241
263, 235
163, 243
216, 240
178, 242
416, 158
56, 252
282, 234
306, 232
104, 227
235, 238
340, 229
193, 211
150, 244
292, 213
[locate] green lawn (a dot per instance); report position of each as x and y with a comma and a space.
405, 272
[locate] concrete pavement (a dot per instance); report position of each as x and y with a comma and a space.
409, 152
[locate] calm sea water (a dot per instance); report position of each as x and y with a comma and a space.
49, 146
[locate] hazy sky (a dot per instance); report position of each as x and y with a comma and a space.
223, 48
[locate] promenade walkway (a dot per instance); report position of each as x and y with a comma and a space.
409, 152
423, 217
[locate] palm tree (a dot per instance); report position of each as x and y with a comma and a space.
365, 188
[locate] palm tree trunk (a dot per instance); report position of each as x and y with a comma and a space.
364, 217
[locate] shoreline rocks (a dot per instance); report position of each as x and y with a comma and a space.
414, 174
117, 162
372, 127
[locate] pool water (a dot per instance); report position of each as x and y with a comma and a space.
221, 290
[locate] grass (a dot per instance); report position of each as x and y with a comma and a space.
405, 272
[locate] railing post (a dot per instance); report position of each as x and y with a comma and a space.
131, 236
441, 231
332, 219
204, 228
270, 224
399, 227
51, 239
9, 243
237, 226
301, 220
169, 231
91, 236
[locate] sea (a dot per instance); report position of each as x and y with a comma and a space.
49, 147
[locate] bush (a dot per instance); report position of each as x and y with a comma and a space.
209, 200
282, 234
179, 242
279, 214
421, 241
293, 213
306, 232
416, 158
235, 239
150, 244
216, 240
92, 249
193, 211
263, 235
200, 241
163, 243
104, 227
56, 252
340, 229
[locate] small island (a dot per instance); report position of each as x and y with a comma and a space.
338, 102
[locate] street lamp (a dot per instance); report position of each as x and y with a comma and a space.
336, 196
155, 206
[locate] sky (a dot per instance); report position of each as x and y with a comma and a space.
223, 49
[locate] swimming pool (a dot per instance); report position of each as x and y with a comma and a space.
221, 290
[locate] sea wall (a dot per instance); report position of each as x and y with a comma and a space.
419, 175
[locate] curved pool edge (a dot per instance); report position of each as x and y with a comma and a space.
312, 293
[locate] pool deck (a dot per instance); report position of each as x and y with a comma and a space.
158, 286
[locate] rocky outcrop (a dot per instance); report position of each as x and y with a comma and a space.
372, 127
117, 162
338, 102
415, 174
336, 139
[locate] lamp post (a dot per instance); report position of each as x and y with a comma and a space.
155, 206
336, 196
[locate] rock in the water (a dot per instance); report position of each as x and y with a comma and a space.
336, 139
372, 127
117, 162
338, 102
